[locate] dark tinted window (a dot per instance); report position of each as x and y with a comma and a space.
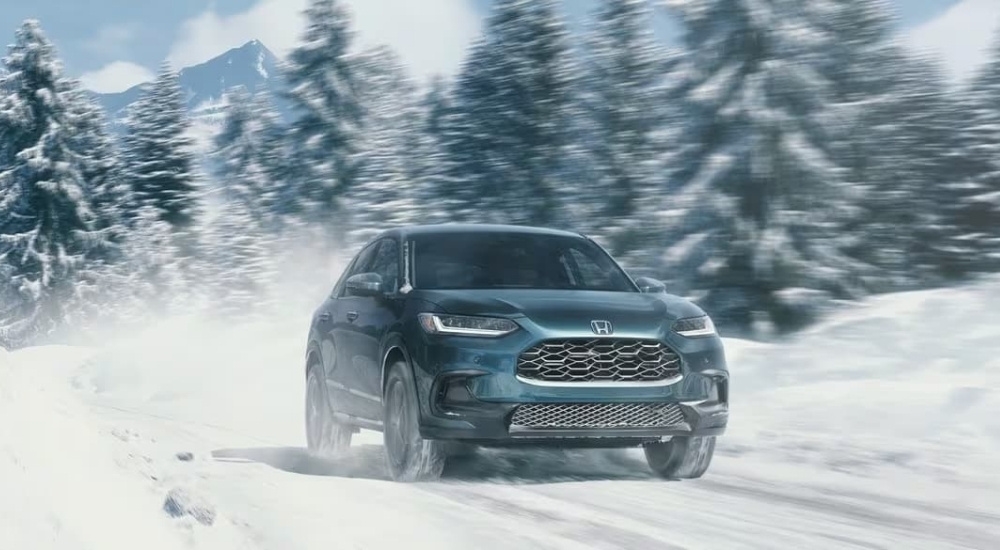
514, 260
387, 264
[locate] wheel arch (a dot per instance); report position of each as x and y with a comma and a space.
395, 350
313, 357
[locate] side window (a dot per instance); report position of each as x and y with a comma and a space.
387, 264
586, 272
361, 265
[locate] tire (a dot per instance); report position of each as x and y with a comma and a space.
408, 456
325, 436
681, 457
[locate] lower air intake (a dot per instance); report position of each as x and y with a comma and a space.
597, 416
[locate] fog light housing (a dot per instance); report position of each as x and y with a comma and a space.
456, 391
453, 393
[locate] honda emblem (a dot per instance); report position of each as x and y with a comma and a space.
602, 328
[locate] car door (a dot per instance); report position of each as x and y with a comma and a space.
340, 373
380, 314
354, 328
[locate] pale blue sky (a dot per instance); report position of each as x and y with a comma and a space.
92, 34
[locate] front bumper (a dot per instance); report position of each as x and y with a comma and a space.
469, 391
489, 424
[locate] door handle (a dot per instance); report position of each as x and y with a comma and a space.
324, 317
352, 316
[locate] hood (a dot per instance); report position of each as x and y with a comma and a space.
566, 309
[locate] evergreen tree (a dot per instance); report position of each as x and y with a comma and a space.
159, 163
385, 192
324, 94
762, 237
149, 280
248, 157
973, 213
507, 134
436, 184
911, 138
894, 135
623, 101
47, 224
236, 263
110, 194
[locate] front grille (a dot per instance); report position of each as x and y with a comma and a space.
599, 360
597, 415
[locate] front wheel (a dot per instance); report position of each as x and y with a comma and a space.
409, 456
681, 457
325, 436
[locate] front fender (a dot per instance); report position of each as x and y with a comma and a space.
394, 342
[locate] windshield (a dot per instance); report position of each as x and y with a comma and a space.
514, 260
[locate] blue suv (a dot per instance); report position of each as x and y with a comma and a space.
456, 336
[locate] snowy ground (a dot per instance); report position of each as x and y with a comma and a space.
878, 429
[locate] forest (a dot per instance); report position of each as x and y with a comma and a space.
783, 158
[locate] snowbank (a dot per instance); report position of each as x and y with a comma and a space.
908, 381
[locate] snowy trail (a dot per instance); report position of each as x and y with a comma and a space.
278, 497
840, 440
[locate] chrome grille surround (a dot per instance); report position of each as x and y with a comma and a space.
596, 415
599, 360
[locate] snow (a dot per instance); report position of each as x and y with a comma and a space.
260, 65
877, 428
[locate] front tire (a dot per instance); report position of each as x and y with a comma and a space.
409, 456
681, 457
325, 436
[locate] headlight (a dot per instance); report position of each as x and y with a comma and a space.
695, 326
460, 325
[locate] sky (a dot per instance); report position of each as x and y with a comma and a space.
114, 44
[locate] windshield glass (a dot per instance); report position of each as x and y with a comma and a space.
514, 260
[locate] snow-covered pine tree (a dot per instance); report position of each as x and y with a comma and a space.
761, 240
157, 153
973, 211
248, 157
239, 242
48, 228
149, 280
911, 137
434, 177
110, 194
385, 193
623, 102
236, 262
508, 132
323, 93
894, 135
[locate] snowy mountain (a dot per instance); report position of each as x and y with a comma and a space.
251, 66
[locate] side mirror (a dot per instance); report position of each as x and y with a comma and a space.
649, 285
365, 284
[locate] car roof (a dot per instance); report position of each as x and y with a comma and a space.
473, 228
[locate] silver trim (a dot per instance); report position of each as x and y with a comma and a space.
407, 287
385, 358
597, 416
562, 362
602, 384
341, 387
